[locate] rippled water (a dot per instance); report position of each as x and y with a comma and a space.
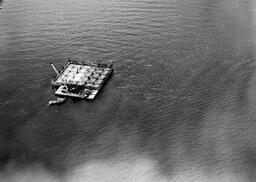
173, 61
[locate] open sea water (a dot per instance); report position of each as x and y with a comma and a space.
179, 106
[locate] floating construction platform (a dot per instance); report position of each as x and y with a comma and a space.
81, 80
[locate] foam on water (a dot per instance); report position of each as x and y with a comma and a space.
139, 169
126, 170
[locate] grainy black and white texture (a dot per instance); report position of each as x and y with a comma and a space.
180, 106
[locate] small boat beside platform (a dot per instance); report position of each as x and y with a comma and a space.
81, 80
58, 100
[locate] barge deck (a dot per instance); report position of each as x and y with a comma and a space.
81, 80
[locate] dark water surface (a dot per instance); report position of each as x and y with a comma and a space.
180, 93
